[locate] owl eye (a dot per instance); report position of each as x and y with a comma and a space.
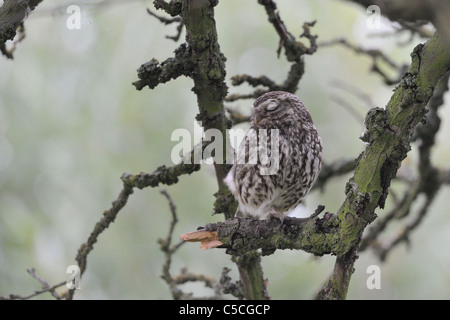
271, 105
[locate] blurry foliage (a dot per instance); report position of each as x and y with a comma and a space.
71, 123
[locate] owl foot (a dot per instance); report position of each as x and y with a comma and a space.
273, 216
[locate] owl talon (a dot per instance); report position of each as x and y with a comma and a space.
275, 216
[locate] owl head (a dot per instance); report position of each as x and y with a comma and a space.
278, 106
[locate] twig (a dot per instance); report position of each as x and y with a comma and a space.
237, 96
169, 250
233, 288
414, 28
401, 210
153, 73
347, 106
237, 117
374, 54
108, 217
294, 51
404, 233
335, 168
173, 7
45, 285
162, 175
36, 293
357, 92
170, 21
312, 38
45, 288
167, 242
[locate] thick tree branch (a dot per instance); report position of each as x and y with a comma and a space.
388, 134
173, 7
12, 15
153, 73
243, 235
428, 181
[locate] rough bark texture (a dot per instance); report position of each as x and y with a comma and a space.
388, 134
12, 13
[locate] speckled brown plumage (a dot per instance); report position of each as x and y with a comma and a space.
279, 158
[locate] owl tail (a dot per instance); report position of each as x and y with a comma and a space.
239, 213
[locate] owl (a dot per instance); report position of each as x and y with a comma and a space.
278, 159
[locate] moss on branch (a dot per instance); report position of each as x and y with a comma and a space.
318, 236
388, 136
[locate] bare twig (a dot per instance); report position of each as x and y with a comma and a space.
419, 28
45, 288
162, 175
353, 90
185, 276
45, 285
344, 103
376, 56
404, 233
237, 117
335, 168
233, 288
415, 10
294, 51
170, 21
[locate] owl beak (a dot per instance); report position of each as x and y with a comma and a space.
257, 118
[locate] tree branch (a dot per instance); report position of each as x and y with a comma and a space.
12, 15
170, 21
436, 11
428, 181
173, 7
153, 73
376, 56
388, 133
45, 288
294, 51
185, 276
333, 169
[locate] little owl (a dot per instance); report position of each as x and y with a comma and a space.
279, 158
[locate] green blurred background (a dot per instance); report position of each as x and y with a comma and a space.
71, 123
